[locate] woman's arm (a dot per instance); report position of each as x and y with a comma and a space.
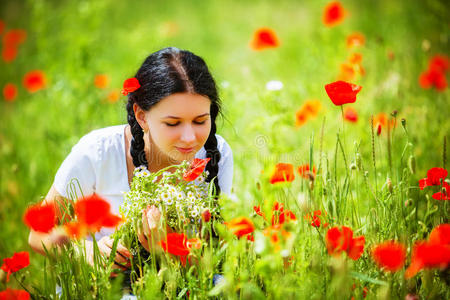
38, 240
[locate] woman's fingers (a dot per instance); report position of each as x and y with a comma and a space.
120, 249
105, 245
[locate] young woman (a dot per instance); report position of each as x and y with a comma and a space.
171, 117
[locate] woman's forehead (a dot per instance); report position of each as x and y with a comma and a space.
181, 105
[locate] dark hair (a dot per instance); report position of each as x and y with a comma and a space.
166, 72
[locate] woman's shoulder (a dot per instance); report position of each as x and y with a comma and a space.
222, 145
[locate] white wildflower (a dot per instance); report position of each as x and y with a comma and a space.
274, 85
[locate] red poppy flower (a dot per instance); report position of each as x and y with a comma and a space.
312, 107
264, 38
315, 221
258, 211
341, 239
130, 85
355, 39
389, 255
10, 294
428, 255
439, 62
355, 58
15, 263
444, 194
433, 78
113, 96
350, 115
300, 118
10, 92
283, 172
285, 216
101, 81
333, 14
434, 177
440, 235
356, 248
196, 168
176, 244
41, 218
277, 206
9, 53
93, 213
193, 243
341, 92
305, 172
240, 226
347, 72
14, 37
34, 81
2, 26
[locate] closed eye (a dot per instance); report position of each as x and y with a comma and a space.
175, 124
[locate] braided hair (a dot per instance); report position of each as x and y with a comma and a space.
166, 72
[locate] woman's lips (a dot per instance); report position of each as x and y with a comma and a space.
185, 150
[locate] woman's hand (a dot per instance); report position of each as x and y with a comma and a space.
105, 244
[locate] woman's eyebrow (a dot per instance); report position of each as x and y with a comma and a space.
174, 117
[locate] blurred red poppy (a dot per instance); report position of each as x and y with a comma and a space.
355, 39
113, 96
312, 107
440, 235
355, 58
9, 53
15, 263
130, 85
196, 168
101, 81
305, 172
264, 38
258, 211
333, 13
285, 216
350, 115
341, 239
444, 194
193, 243
41, 217
175, 243
433, 78
10, 294
347, 72
300, 118
10, 92
427, 255
240, 226
206, 215
2, 26
283, 172
276, 235
34, 81
341, 92
439, 62
93, 213
434, 177
389, 255
14, 37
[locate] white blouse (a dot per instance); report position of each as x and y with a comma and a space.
97, 163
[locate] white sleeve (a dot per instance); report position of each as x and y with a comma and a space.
225, 167
78, 170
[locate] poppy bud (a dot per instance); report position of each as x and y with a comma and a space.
394, 113
358, 161
389, 185
412, 164
352, 166
404, 122
206, 215
378, 129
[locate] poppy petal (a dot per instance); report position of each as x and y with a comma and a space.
341, 92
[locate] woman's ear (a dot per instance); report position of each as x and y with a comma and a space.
139, 114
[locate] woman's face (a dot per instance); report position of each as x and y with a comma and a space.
177, 127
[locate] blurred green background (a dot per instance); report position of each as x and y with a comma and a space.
73, 41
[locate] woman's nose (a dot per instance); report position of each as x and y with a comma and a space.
188, 134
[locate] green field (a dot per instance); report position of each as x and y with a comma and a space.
364, 181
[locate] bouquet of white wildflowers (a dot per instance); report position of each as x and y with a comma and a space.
181, 195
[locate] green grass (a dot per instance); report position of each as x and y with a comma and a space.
72, 41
